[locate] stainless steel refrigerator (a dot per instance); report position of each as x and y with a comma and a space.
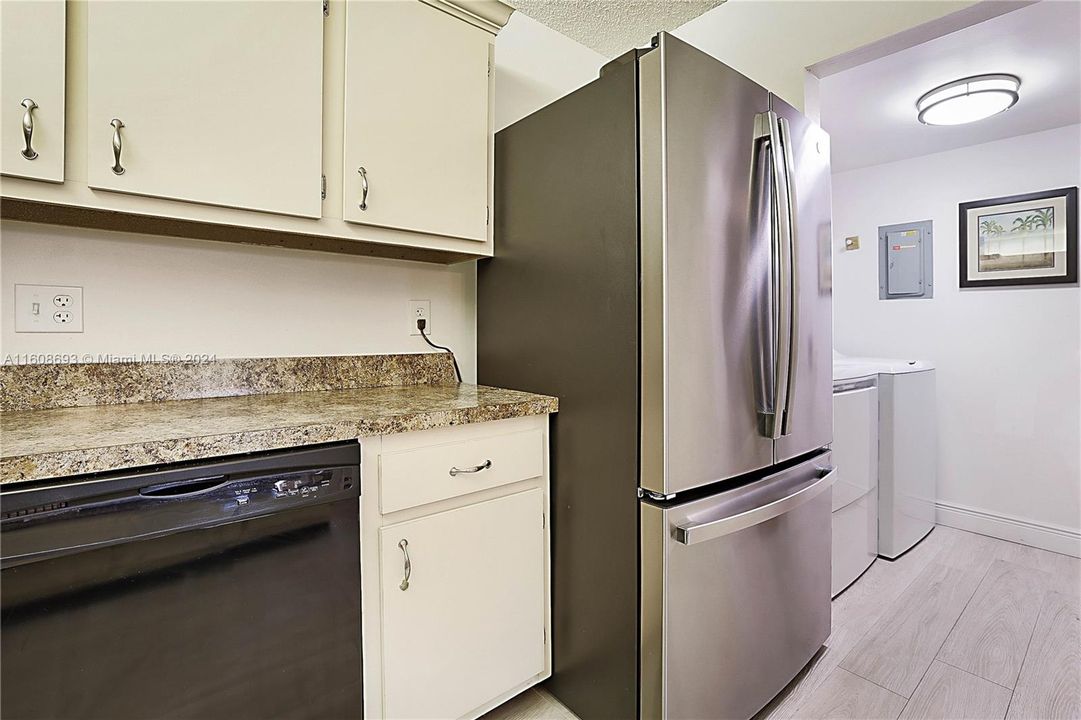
663, 266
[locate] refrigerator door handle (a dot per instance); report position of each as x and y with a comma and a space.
692, 533
768, 133
785, 155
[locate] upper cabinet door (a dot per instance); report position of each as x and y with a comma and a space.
417, 128
209, 102
32, 56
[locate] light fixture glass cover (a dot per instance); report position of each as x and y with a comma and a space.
968, 99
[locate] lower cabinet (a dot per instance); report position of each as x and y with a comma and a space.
455, 555
463, 606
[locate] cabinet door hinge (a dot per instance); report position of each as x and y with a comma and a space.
322, 187
326, 8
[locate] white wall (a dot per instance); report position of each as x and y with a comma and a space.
535, 65
1009, 360
773, 41
161, 295
146, 294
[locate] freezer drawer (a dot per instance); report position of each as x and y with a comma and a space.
735, 593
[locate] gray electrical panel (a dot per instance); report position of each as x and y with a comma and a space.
905, 261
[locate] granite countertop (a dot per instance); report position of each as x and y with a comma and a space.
64, 441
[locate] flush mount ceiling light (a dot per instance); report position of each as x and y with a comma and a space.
968, 99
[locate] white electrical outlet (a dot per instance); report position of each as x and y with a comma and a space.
48, 309
420, 310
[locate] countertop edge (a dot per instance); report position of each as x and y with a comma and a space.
109, 458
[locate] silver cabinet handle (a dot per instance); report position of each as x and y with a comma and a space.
475, 469
404, 545
118, 146
363, 188
692, 533
28, 129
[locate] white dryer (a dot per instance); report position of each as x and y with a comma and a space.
855, 455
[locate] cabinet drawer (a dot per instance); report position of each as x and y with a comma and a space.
422, 475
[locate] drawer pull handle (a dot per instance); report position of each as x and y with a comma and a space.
458, 471
363, 188
28, 129
699, 532
118, 146
404, 545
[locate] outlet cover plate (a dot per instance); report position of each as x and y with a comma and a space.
420, 309
48, 309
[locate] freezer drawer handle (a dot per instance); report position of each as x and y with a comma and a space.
475, 469
700, 532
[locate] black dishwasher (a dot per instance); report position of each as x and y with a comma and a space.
219, 590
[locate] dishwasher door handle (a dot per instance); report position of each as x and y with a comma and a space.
692, 533
101, 518
186, 488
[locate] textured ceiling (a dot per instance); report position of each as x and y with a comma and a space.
611, 27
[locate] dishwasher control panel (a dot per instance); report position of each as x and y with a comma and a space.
303, 483
259, 494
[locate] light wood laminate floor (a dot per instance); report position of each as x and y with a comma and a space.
961, 626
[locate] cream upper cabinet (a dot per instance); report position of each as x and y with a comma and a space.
207, 102
417, 119
32, 89
463, 606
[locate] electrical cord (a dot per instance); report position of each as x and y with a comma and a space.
421, 324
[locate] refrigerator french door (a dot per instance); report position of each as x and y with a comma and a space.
809, 410
736, 353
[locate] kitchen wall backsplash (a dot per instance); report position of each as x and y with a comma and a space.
42, 386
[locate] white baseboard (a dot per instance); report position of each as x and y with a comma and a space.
1007, 527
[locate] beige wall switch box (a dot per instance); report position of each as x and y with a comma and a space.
852, 243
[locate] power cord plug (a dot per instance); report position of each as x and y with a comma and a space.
421, 324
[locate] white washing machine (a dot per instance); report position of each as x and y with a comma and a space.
855, 455
907, 450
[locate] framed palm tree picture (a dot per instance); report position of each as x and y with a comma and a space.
1019, 240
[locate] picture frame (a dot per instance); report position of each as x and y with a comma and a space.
1019, 240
